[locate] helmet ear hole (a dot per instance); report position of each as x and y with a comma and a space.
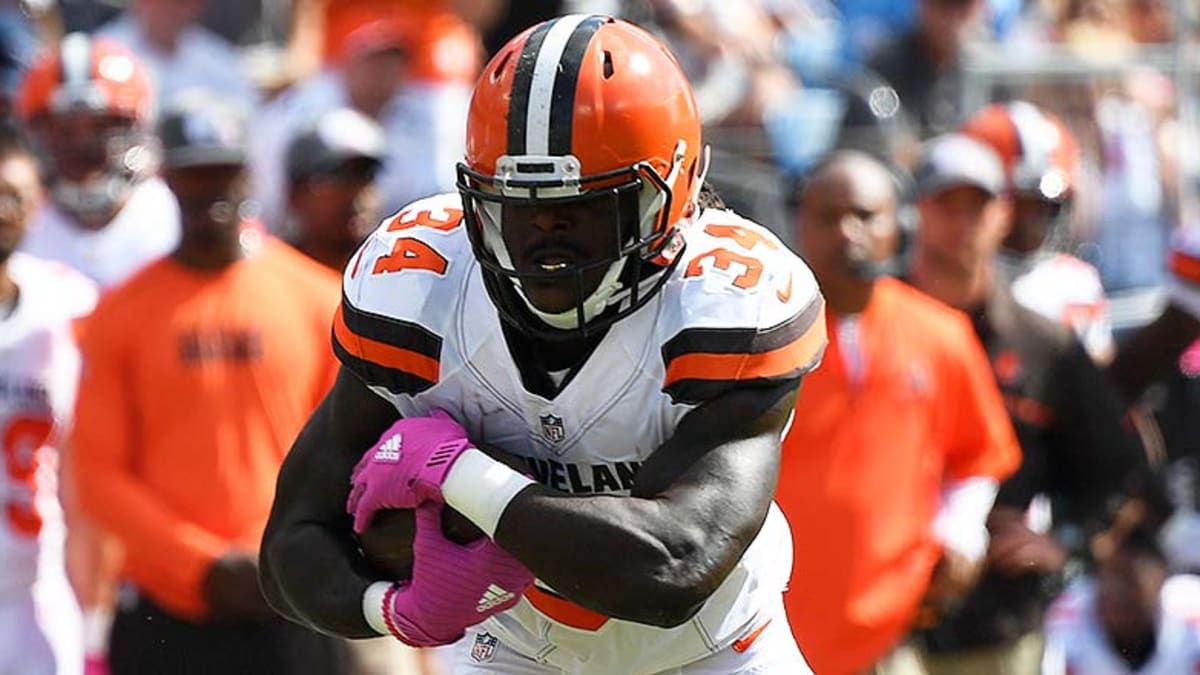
608, 65
500, 65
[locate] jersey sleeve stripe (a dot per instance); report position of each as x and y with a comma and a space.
1185, 267
743, 340
391, 331
791, 360
363, 354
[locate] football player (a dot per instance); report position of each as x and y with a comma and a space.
41, 630
1130, 618
88, 106
585, 305
1041, 159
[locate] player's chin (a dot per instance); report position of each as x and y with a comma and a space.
551, 297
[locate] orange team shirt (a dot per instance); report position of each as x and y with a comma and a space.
444, 47
195, 384
863, 467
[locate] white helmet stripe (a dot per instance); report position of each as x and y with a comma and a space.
76, 53
541, 90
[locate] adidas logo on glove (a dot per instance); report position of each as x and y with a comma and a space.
389, 450
494, 595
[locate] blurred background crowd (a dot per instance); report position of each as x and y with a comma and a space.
1028, 162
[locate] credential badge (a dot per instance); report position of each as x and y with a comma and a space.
552, 428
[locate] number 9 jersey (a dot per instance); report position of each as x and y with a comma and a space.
738, 310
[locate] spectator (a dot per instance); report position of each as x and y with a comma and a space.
1041, 161
39, 369
107, 214
922, 64
1130, 619
183, 422
444, 47
423, 122
895, 460
19, 43
333, 201
1066, 413
178, 53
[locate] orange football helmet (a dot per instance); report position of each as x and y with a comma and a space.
1038, 150
582, 111
89, 107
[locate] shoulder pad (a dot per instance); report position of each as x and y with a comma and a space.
741, 307
397, 295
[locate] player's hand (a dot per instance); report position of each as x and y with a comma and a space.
453, 587
953, 577
1015, 549
406, 467
231, 589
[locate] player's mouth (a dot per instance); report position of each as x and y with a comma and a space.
552, 259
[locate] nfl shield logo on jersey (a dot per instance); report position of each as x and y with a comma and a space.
552, 428
484, 649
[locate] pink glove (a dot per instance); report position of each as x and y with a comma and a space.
95, 664
453, 587
406, 467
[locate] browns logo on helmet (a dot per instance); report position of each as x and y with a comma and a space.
89, 107
582, 123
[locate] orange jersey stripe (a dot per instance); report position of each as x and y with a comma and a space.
1185, 267
564, 611
796, 356
383, 354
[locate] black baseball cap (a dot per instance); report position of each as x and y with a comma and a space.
200, 129
335, 138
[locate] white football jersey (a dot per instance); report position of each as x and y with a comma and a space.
1068, 291
418, 326
39, 372
145, 229
1076, 643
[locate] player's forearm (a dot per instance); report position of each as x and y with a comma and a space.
325, 592
644, 560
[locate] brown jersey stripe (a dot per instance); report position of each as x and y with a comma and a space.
380, 354
743, 340
697, 377
391, 331
375, 375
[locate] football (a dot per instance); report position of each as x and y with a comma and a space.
387, 544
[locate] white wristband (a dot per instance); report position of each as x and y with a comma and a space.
961, 521
480, 488
372, 606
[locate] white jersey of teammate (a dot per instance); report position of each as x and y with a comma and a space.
1076, 643
1065, 290
145, 229
418, 326
39, 371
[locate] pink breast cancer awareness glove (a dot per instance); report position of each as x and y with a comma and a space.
406, 467
96, 664
453, 586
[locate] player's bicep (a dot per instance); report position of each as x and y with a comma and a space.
725, 452
315, 477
